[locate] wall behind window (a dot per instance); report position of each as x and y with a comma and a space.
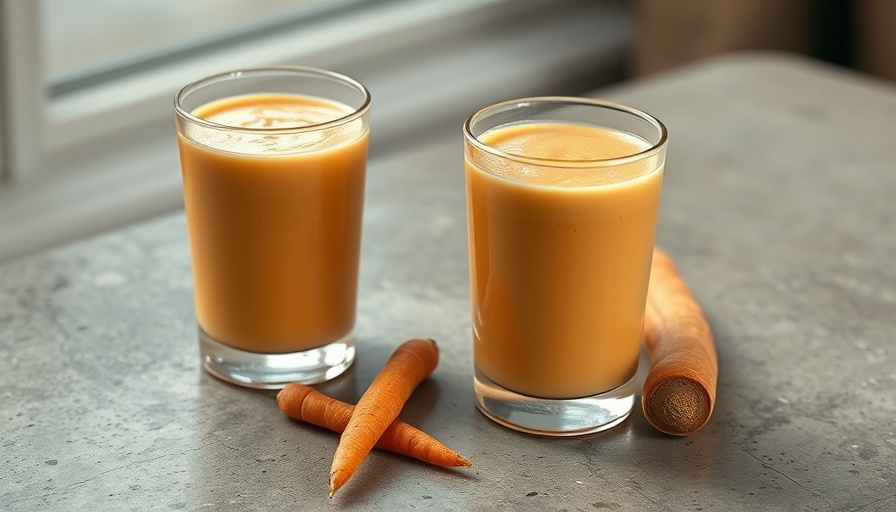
856, 34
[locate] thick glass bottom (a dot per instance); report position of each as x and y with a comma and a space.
553, 417
274, 371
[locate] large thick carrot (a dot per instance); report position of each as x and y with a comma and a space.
305, 404
680, 389
379, 406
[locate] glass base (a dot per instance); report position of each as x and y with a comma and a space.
274, 371
553, 417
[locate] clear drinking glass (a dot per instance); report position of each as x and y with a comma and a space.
273, 163
562, 201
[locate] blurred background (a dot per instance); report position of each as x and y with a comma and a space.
86, 86
851, 33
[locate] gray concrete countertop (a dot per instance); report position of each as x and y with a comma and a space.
778, 208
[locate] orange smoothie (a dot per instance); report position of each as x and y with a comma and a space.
274, 222
560, 258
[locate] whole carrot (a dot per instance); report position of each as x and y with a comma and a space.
379, 406
304, 403
680, 389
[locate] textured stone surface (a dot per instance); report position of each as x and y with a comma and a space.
778, 208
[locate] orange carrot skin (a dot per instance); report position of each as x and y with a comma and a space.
306, 404
680, 346
380, 405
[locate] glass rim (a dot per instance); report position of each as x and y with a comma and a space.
237, 74
649, 152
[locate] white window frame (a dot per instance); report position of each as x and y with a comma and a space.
102, 157
21, 104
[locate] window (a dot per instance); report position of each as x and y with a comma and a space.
86, 86
88, 41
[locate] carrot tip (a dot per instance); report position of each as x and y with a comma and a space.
335, 482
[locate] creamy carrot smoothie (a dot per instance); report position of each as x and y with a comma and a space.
560, 256
274, 222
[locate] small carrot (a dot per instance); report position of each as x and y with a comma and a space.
680, 389
379, 406
304, 403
